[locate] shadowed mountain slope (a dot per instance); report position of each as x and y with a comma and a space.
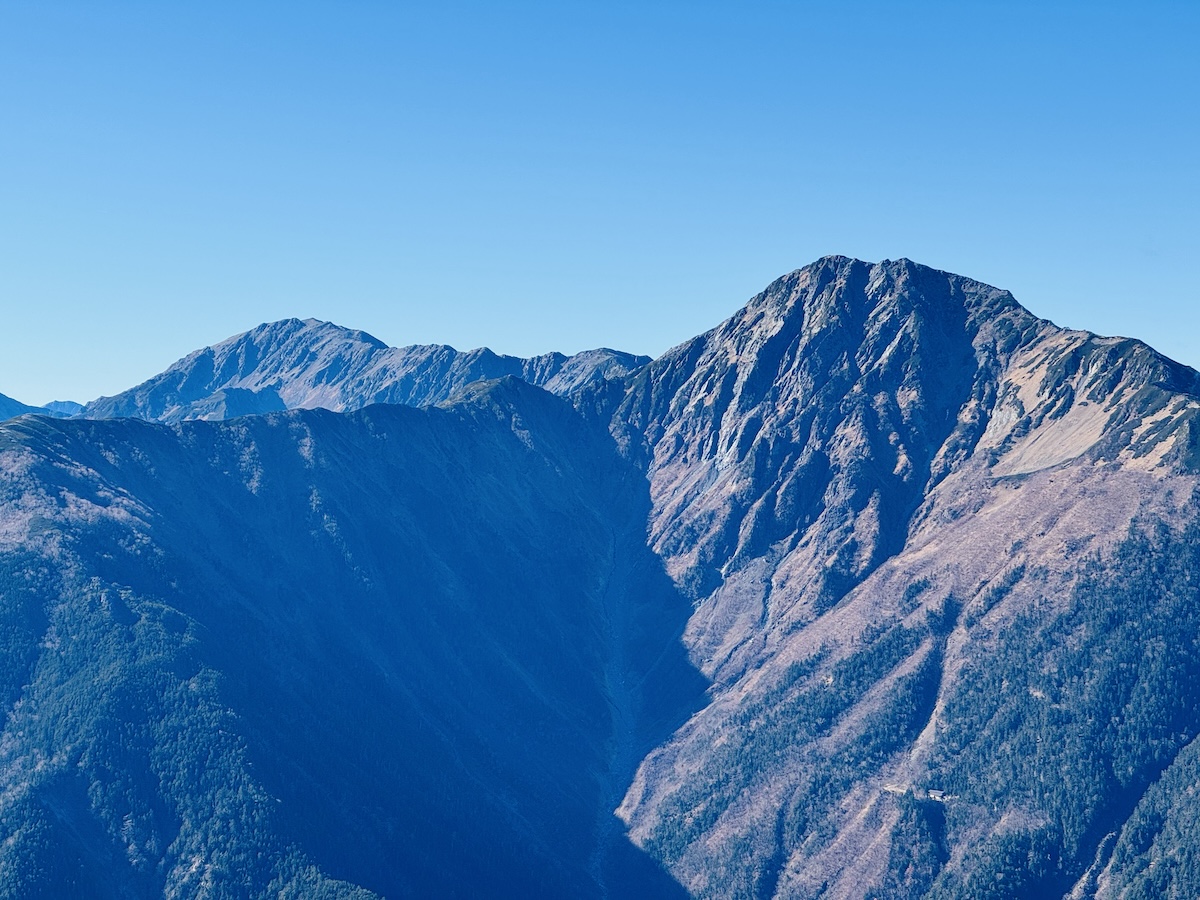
10, 408
307, 364
413, 651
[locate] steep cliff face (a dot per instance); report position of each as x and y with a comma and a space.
308, 364
882, 485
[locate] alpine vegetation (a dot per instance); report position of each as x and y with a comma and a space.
884, 587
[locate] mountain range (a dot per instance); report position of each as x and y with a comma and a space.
10, 408
884, 587
303, 364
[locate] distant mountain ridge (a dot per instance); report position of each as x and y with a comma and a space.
316, 654
10, 408
882, 588
307, 364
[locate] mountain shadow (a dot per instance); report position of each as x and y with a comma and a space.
398, 651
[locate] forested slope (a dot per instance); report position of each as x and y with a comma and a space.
387, 648
884, 587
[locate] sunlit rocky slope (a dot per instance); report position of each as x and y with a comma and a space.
940, 554
884, 587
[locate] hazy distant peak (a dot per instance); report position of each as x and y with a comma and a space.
64, 407
309, 363
308, 330
10, 408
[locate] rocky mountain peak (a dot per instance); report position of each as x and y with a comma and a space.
833, 395
838, 290
308, 363
864, 449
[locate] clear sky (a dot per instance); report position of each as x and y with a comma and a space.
562, 175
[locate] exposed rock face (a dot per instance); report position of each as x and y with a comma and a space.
933, 560
824, 408
870, 480
307, 364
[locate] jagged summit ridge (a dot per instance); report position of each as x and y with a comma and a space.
308, 363
844, 368
815, 287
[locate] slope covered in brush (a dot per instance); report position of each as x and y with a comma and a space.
410, 652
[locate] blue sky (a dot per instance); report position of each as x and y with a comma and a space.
537, 176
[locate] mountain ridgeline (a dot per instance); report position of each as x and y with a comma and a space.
413, 650
10, 408
882, 588
305, 364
